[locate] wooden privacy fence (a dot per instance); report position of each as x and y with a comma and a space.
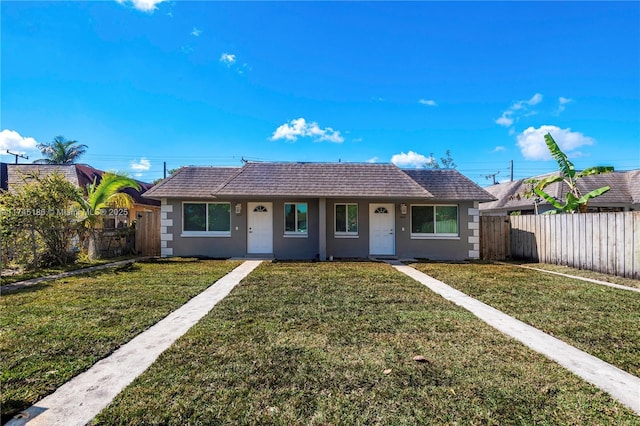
148, 233
494, 237
602, 242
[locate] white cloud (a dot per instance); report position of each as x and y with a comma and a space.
13, 141
144, 5
562, 104
196, 32
372, 160
505, 120
411, 159
535, 99
499, 148
228, 59
533, 147
300, 128
429, 102
518, 109
141, 166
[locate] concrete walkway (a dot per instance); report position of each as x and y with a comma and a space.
82, 398
621, 385
27, 283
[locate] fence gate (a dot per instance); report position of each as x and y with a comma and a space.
148, 233
494, 237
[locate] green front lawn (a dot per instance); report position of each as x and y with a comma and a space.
333, 343
53, 331
600, 320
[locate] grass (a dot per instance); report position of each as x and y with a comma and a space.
586, 274
53, 270
600, 320
53, 331
333, 343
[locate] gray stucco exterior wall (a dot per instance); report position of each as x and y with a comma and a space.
463, 246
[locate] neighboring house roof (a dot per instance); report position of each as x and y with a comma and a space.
338, 180
79, 175
625, 191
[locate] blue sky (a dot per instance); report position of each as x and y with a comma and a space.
208, 83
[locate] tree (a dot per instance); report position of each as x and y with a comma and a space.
104, 196
39, 221
447, 162
60, 151
574, 201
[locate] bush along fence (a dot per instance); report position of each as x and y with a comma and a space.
25, 247
601, 242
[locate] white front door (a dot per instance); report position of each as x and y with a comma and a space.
259, 228
382, 236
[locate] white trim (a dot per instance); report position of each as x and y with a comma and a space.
346, 237
166, 228
346, 234
434, 235
206, 234
296, 234
474, 227
206, 221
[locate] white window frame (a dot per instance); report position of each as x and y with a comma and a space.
206, 233
345, 234
435, 235
295, 234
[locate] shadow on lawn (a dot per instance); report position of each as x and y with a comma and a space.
17, 288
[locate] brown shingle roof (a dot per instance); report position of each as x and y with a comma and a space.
449, 184
192, 182
322, 180
339, 180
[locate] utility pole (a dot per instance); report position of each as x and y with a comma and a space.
511, 170
26, 157
165, 169
493, 176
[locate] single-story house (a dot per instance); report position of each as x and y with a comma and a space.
624, 194
81, 175
319, 210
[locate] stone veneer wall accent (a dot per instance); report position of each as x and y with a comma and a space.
474, 231
166, 233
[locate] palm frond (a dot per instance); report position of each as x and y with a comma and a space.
566, 167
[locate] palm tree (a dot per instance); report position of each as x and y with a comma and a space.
60, 151
102, 196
